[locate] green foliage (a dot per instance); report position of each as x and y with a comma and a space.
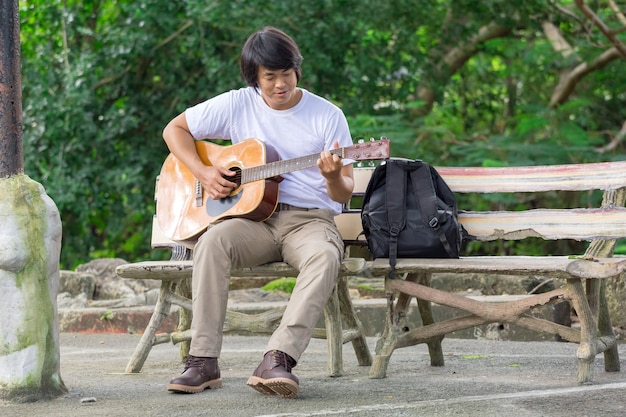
107, 316
102, 78
282, 284
620, 247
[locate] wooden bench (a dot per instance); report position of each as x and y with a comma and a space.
582, 277
342, 324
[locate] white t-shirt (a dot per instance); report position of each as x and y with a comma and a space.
308, 128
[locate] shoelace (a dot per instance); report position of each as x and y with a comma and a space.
281, 358
194, 362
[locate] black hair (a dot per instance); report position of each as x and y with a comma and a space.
271, 48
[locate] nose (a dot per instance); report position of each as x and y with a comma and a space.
281, 82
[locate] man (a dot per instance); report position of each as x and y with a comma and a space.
301, 232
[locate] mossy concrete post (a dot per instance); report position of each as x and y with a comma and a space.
30, 246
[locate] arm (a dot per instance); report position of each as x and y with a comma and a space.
339, 177
181, 144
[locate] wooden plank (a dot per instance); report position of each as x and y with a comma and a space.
361, 179
548, 266
158, 270
158, 239
573, 177
349, 225
567, 177
175, 270
577, 224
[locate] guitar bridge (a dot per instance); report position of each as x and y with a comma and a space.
198, 193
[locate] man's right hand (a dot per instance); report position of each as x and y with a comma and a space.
215, 182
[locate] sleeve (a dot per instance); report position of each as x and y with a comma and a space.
339, 131
211, 118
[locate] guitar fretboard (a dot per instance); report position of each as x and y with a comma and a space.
273, 169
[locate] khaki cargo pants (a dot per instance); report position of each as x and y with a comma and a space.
308, 240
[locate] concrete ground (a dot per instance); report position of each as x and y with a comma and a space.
480, 378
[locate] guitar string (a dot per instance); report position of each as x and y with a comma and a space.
275, 168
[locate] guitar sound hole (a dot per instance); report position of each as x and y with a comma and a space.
236, 178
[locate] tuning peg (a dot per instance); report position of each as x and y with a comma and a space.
360, 141
383, 138
371, 139
359, 164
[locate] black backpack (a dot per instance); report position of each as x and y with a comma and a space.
410, 212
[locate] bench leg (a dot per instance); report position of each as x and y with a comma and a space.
161, 310
334, 335
183, 288
435, 350
588, 347
397, 324
611, 356
351, 321
341, 326
387, 342
600, 249
594, 335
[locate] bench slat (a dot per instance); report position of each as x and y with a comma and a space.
546, 266
577, 224
175, 270
574, 177
549, 224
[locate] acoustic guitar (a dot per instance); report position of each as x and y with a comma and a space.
184, 210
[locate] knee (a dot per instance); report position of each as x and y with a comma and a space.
210, 244
327, 257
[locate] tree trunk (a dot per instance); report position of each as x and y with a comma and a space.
30, 245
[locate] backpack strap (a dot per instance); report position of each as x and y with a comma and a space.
395, 197
424, 189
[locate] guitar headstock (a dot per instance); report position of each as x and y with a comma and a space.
366, 151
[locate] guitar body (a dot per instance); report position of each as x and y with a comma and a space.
184, 210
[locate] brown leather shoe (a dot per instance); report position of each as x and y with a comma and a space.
273, 376
199, 374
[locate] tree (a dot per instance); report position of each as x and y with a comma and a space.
452, 82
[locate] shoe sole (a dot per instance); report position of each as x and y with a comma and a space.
283, 387
187, 389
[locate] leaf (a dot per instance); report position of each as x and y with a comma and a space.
574, 134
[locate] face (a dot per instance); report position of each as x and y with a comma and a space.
278, 88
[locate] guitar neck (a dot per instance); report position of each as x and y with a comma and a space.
276, 168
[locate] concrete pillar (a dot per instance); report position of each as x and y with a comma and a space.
30, 246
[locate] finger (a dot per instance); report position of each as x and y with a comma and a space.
228, 172
220, 191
